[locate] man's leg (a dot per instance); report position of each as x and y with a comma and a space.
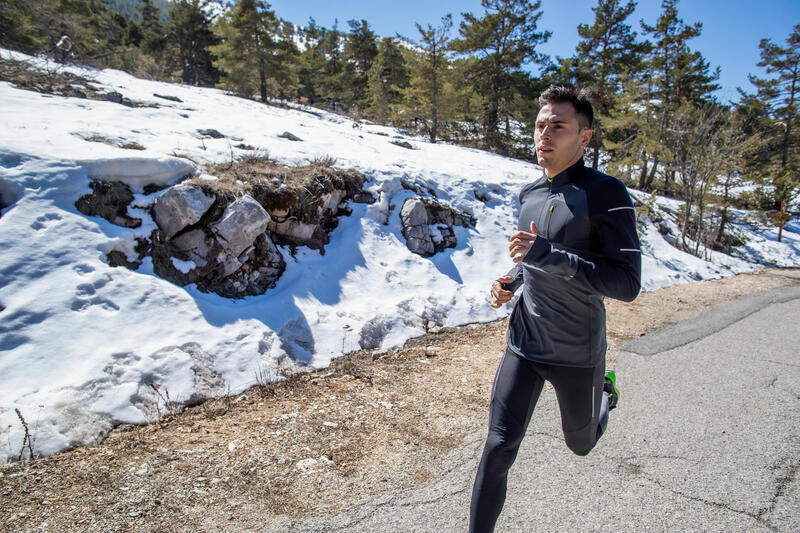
583, 405
516, 388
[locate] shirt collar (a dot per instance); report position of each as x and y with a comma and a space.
566, 175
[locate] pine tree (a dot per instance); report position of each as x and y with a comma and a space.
189, 30
311, 64
386, 78
781, 94
18, 27
501, 41
154, 38
675, 72
335, 87
427, 101
245, 53
607, 49
360, 51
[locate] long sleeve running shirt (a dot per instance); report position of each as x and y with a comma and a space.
587, 249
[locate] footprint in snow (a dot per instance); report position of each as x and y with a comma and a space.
43, 221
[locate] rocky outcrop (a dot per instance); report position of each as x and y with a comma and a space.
221, 243
428, 225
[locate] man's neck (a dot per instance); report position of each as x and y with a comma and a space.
552, 172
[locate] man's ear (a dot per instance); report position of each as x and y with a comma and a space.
586, 137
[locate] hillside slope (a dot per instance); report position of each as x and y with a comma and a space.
85, 346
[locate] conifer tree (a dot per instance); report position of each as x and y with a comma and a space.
674, 73
190, 33
360, 50
427, 101
311, 63
386, 78
781, 95
19, 27
154, 39
607, 49
501, 41
335, 87
245, 48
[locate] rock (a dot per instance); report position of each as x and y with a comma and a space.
414, 217
212, 133
77, 93
432, 351
241, 222
195, 244
428, 225
364, 197
166, 97
150, 188
113, 96
314, 231
181, 206
403, 144
109, 200
290, 136
117, 258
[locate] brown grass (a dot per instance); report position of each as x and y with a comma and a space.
277, 187
53, 81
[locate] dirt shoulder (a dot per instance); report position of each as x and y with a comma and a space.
317, 443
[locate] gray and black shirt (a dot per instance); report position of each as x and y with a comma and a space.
587, 249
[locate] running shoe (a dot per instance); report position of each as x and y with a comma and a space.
610, 386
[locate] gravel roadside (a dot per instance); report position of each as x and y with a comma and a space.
316, 443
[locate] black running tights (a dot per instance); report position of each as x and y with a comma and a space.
517, 386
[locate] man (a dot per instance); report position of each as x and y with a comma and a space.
576, 244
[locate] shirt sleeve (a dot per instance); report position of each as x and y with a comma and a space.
615, 270
516, 273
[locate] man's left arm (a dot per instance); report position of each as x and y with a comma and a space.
616, 273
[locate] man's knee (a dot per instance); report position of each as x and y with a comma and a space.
580, 444
500, 452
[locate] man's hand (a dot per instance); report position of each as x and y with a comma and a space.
521, 243
499, 294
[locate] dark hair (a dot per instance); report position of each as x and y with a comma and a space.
580, 100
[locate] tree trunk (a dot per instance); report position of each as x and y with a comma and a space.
669, 179
643, 175
262, 77
651, 177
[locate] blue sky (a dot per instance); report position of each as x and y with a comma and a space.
732, 29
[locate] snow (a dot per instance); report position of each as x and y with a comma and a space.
84, 346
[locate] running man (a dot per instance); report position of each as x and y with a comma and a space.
576, 245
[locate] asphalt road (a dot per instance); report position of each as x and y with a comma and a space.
706, 438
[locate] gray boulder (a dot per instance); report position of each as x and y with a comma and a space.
240, 224
428, 225
414, 217
180, 207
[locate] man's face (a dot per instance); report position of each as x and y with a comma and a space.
559, 138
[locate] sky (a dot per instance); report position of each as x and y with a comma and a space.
732, 29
